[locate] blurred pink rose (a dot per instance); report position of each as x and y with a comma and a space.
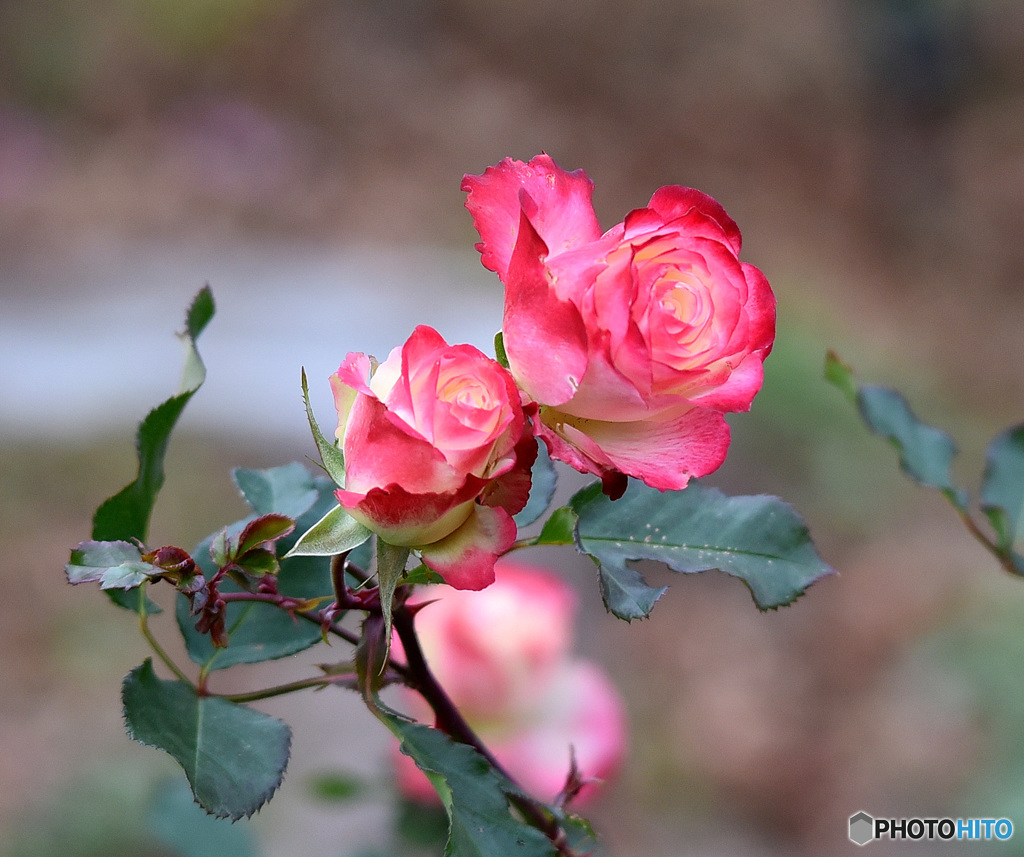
437, 453
503, 656
634, 343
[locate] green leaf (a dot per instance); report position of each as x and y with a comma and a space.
332, 457
115, 565
288, 490
182, 827
422, 826
336, 786
925, 452
391, 561
1002, 489
542, 489
259, 562
266, 528
841, 377
421, 575
126, 515
234, 756
559, 528
759, 539
499, 349
336, 532
473, 795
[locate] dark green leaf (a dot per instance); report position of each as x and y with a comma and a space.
473, 795
422, 826
542, 489
287, 490
336, 787
181, 826
760, 540
332, 457
336, 532
926, 453
234, 757
559, 528
266, 528
1002, 489
126, 515
115, 565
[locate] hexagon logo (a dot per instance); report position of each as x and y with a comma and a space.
862, 828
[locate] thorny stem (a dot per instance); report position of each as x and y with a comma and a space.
451, 721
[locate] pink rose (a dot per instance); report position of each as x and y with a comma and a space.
633, 343
437, 453
503, 656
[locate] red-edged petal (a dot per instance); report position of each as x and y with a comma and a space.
544, 337
560, 207
511, 489
381, 449
465, 559
665, 454
405, 518
737, 391
673, 202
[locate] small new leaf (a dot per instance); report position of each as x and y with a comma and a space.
267, 528
558, 529
499, 349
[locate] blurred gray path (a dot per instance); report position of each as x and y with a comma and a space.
87, 339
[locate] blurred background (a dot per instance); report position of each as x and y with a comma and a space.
304, 158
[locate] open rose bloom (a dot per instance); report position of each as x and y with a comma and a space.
437, 453
503, 656
634, 342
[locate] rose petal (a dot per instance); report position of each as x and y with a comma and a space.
465, 559
404, 518
560, 204
664, 453
544, 337
511, 490
380, 449
673, 202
